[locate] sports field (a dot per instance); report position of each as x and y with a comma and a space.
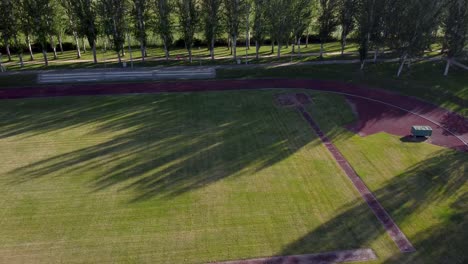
214, 176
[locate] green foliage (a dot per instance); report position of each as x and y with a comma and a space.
456, 27
328, 18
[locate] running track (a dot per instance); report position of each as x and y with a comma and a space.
454, 127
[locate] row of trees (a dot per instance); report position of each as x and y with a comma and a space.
406, 26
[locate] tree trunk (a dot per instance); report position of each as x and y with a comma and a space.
166, 51
272, 47
78, 51
321, 50
94, 52
234, 47
343, 45
278, 54
44, 53
294, 46
123, 50
142, 48
376, 54
60, 43
54, 47
363, 62
8, 51
299, 46
257, 48
307, 39
20, 53
401, 66
119, 57
447, 67
84, 45
212, 44
190, 54
31, 55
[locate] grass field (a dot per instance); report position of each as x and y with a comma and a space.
192, 178
156, 57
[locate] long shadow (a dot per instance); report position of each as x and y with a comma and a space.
165, 145
437, 180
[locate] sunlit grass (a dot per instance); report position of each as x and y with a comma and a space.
184, 178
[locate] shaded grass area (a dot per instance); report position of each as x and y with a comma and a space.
156, 56
179, 178
192, 178
424, 80
423, 187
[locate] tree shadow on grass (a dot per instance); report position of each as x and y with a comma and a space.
437, 184
165, 145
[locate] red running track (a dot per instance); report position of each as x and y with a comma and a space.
390, 226
453, 128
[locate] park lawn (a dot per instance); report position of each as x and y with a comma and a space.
422, 186
171, 178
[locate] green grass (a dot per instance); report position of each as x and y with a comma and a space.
424, 80
423, 187
186, 178
192, 178
69, 60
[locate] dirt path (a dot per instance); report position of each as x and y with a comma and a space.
453, 126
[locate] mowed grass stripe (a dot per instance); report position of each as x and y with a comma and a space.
180, 178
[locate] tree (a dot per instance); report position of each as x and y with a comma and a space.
8, 24
188, 18
40, 13
113, 18
410, 26
85, 14
456, 30
300, 20
211, 19
259, 24
72, 25
327, 20
279, 17
140, 14
164, 25
347, 12
233, 13
366, 20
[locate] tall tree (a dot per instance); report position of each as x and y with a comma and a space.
40, 13
279, 16
327, 21
234, 10
211, 10
456, 30
410, 26
8, 24
113, 17
300, 20
347, 12
26, 25
85, 14
188, 18
259, 24
140, 13
72, 25
366, 16
164, 26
